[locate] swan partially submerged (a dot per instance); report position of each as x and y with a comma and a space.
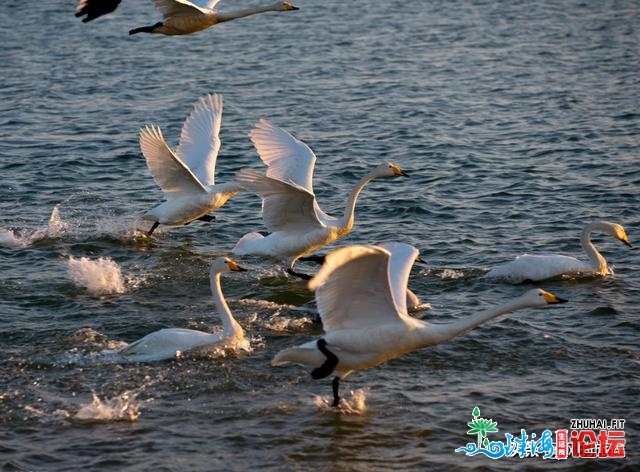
544, 266
183, 17
186, 176
290, 212
172, 342
364, 316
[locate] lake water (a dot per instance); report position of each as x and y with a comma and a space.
519, 123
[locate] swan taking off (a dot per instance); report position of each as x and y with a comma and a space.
544, 266
186, 176
172, 342
363, 310
289, 209
183, 17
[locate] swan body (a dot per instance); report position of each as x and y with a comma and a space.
362, 305
183, 17
544, 266
173, 342
297, 224
186, 176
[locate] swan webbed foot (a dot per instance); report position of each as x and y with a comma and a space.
327, 366
335, 385
145, 29
153, 228
301, 275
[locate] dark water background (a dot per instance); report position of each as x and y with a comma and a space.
519, 123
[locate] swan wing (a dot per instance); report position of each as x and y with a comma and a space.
288, 159
402, 258
285, 206
171, 174
538, 267
353, 290
199, 141
169, 8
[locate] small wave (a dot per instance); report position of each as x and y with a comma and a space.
99, 277
123, 407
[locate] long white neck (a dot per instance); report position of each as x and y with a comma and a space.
242, 13
346, 222
230, 326
432, 334
596, 259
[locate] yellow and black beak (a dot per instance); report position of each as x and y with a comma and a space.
626, 241
398, 171
552, 299
233, 266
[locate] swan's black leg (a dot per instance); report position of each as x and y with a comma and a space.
153, 228
318, 259
301, 275
145, 29
207, 218
335, 384
328, 366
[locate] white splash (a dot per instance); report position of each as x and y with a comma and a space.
353, 403
9, 239
123, 407
99, 277
451, 274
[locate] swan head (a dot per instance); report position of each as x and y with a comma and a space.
539, 297
388, 169
616, 231
285, 6
225, 264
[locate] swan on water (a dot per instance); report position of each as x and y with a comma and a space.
544, 266
290, 212
184, 17
172, 342
363, 311
186, 176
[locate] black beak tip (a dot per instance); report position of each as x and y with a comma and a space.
403, 174
627, 243
241, 269
561, 300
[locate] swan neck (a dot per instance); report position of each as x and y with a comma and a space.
242, 13
229, 324
346, 222
440, 333
596, 259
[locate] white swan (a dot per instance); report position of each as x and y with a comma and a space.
172, 342
362, 306
183, 17
289, 209
544, 266
186, 176
95, 8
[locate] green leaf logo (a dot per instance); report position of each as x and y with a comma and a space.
481, 427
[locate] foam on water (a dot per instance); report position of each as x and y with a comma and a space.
352, 403
9, 239
99, 277
123, 407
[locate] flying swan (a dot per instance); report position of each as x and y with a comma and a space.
95, 8
184, 17
172, 342
544, 266
186, 176
364, 315
289, 209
